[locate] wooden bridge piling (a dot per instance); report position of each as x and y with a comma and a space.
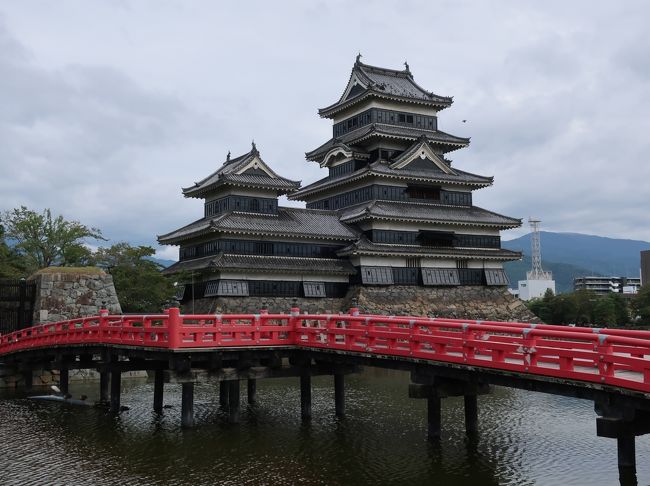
158, 390
116, 389
252, 391
224, 387
234, 406
305, 394
104, 384
339, 394
64, 379
187, 404
471, 414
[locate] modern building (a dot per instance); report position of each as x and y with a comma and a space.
392, 210
645, 267
538, 281
606, 285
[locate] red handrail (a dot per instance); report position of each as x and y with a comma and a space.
613, 357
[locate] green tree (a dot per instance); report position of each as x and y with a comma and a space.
12, 265
46, 241
139, 284
641, 304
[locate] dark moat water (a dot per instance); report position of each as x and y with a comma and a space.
525, 438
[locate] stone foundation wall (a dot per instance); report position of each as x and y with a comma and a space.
69, 293
485, 303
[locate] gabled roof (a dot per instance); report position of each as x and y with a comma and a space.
442, 139
264, 263
427, 213
383, 170
364, 246
248, 170
288, 222
372, 81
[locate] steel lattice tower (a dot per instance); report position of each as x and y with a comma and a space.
536, 273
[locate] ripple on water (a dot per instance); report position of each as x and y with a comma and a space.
525, 438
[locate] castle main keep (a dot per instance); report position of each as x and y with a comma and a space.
392, 211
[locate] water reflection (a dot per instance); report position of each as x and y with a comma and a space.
525, 438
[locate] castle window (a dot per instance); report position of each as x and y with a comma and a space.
377, 275
412, 263
496, 276
314, 289
440, 276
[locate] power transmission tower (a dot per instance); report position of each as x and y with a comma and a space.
536, 273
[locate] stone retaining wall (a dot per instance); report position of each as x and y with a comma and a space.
485, 303
69, 293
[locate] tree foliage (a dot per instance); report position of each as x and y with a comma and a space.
641, 304
139, 284
581, 307
12, 265
43, 240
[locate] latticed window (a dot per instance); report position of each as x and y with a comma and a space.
228, 288
377, 275
314, 289
412, 262
496, 276
440, 276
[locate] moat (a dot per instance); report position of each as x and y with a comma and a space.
525, 438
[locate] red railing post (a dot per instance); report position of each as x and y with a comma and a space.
103, 324
174, 328
294, 322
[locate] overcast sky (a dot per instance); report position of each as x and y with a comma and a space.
107, 108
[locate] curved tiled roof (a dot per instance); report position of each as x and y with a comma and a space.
430, 213
227, 174
450, 142
366, 247
264, 263
380, 169
293, 222
386, 83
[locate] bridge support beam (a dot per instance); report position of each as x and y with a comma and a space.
339, 394
622, 422
435, 388
305, 394
64, 380
187, 404
471, 414
233, 402
116, 389
224, 387
104, 382
252, 391
434, 417
158, 390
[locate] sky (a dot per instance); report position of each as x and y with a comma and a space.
108, 108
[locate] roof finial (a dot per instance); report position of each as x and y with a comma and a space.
358, 61
254, 147
228, 156
406, 65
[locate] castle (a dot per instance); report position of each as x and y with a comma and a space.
392, 211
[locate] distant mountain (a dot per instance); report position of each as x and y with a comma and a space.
570, 255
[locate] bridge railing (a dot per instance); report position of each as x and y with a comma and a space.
611, 357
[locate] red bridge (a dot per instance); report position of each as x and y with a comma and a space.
446, 357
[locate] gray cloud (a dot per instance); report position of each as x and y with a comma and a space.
105, 121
